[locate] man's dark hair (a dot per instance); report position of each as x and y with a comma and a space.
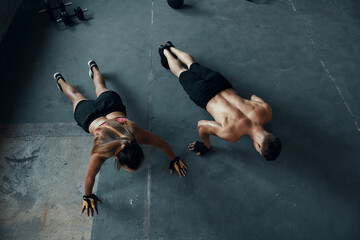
271, 147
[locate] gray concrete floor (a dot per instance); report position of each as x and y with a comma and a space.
300, 56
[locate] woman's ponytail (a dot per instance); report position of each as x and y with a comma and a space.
116, 140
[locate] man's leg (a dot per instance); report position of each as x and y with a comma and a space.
74, 95
186, 58
175, 66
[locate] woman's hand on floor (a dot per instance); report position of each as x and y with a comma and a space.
179, 166
89, 203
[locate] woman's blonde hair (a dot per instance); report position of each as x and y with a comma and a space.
117, 139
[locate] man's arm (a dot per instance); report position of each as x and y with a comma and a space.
256, 98
266, 107
206, 128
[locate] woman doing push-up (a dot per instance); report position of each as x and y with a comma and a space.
115, 135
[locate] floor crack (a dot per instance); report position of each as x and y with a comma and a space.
326, 69
147, 202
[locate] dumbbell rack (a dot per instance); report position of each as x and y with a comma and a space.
64, 15
78, 12
49, 9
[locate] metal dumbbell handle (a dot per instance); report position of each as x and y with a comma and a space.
66, 4
84, 10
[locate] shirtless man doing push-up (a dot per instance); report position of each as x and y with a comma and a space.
234, 116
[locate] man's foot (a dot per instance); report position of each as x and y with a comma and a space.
163, 59
92, 64
168, 45
57, 77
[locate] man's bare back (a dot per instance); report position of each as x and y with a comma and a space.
236, 116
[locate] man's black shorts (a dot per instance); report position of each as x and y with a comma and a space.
202, 84
86, 111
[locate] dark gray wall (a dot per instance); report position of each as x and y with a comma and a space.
8, 10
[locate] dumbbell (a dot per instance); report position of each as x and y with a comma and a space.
175, 3
65, 17
49, 9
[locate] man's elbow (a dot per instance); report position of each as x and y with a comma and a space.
200, 124
201, 129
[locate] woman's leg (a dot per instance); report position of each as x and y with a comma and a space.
186, 58
71, 92
175, 66
99, 82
